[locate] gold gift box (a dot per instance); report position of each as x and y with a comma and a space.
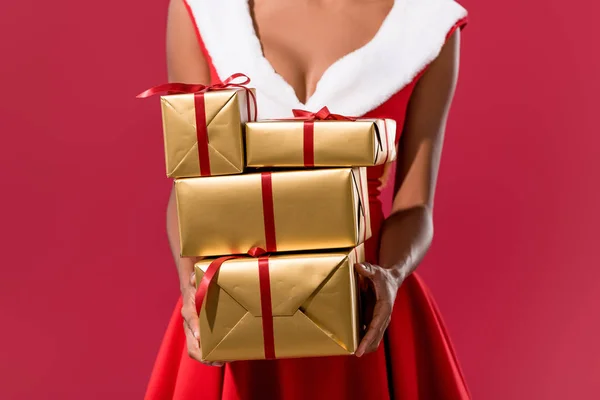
311, 210
362, 142
314, 303
225, 113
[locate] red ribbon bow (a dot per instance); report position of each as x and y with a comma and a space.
265, 293
322, 115
325, 115
183, 88
198, 91
309, 119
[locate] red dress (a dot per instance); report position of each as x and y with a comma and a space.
416, 359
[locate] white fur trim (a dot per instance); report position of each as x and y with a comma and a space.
410, 38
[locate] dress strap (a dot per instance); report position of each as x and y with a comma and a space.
214, 76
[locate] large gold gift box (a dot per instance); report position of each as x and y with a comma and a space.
364, 142
278, 211
216, 147
313, 309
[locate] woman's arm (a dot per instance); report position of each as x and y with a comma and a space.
185, 63
420, 151
407, 233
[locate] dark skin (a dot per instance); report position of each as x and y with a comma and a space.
335, 28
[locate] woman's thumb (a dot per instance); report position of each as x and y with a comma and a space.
365, 269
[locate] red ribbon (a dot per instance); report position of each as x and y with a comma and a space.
265, 294
322, 115
309, 119
198, 91
263, 268
268, 211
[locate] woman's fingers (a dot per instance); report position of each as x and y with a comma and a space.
376, 329
365, 269
193, 346
381, 312
188, 311
192, 332
380, 329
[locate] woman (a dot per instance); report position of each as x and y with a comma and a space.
377, 58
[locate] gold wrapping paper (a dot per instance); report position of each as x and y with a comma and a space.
314, 303
312, 210
225, 111
336, 143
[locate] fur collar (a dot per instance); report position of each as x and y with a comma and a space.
410, 38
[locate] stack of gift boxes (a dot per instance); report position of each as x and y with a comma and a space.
278, 211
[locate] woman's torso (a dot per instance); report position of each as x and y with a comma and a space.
358, 58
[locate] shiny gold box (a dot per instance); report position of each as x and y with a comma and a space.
221, 152
364, 142
278, 211
313, 309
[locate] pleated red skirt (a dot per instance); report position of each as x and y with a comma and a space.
415, 361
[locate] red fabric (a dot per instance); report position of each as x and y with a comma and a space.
415, 361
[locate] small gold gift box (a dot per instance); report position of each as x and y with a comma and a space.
361, 142
203, 132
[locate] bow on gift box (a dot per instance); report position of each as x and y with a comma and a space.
309, 119
238, 80
323, 114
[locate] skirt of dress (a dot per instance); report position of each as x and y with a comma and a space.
415, 361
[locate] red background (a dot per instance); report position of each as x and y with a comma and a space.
87, 281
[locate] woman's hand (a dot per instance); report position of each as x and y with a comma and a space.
385, 283
405, 238
190, 322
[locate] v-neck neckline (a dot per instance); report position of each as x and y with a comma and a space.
410, 37
254, 44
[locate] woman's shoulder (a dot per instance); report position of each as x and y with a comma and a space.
432, 21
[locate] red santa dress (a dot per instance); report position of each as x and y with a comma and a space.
416, 359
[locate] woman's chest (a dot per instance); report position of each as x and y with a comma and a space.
349, 55
301, 39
